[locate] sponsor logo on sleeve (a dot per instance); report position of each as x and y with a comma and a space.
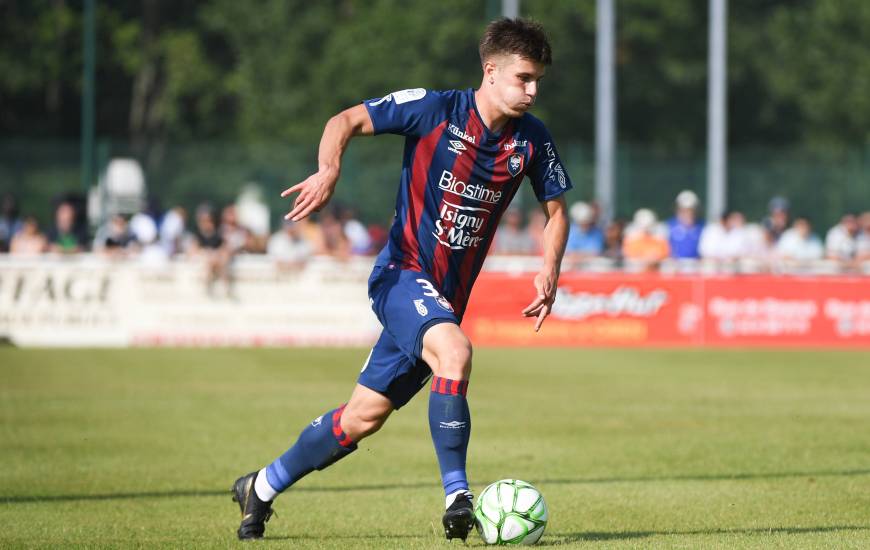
316, 422
421, 307
402, 96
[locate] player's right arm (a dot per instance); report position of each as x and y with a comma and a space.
317, 189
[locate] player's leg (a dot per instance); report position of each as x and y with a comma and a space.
448, 352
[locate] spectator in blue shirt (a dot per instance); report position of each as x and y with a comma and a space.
684, 229
585, 239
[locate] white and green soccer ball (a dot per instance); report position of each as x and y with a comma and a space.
511, 511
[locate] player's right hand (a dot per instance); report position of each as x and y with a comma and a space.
314, 193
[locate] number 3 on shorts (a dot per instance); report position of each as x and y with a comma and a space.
428, 289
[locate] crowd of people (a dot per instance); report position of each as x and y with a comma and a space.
645, 242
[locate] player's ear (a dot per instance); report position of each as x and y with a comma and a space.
489, 69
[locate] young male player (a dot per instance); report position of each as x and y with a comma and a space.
466, 154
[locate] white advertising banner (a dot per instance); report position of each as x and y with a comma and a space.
91, 301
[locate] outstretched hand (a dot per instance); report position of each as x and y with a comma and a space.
314, 193
545, 285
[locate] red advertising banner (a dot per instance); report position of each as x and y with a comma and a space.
656, 310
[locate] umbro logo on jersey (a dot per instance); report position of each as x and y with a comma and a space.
456, 146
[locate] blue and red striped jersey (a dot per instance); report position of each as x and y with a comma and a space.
458, 178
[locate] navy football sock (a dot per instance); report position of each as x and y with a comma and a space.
320, 444
450, 425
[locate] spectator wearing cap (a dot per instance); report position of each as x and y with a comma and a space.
684, 228
643, 244
511, 237
777, 220
585, 239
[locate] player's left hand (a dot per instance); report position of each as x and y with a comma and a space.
545, 285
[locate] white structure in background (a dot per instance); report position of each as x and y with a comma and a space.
121, 190
252, 211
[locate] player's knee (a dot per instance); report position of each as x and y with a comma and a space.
454, 360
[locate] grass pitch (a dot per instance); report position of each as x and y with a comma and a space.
632, 449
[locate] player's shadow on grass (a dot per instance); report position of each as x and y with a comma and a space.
567, 538
21, 499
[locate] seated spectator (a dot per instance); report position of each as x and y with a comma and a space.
66, 236
613, 241
29, 241
799, 243
644, 244
288, 247
236, 237
511, 237
862, 241
335, 242
10, 223
776, 222
173, 235
841, 242
684, 228
727, 240
114, 238
585, 239
356, 233
209, 244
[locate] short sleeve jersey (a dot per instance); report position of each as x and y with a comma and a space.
457, 180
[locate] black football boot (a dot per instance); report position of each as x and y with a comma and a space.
459, 518
255, 512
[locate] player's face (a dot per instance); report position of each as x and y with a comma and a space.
515, 82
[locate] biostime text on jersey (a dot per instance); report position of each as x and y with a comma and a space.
458, 226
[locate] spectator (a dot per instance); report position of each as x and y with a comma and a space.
66, 237
684, 228
335, 242
211, 246
776, 222
29, 241
613, 241
862, 242
799, 243
585, 239
114, 238
356, 233
535, 228
173, 235
645, 246
841, 242
288, 247
236, 237
511, 237
727, 240
10, 224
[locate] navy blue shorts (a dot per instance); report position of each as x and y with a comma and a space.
407, 304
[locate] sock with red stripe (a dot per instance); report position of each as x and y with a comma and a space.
450, 425
320, 444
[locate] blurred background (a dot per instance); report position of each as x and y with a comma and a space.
160, 134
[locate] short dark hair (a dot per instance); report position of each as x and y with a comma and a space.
523, 37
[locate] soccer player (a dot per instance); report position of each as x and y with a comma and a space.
466, 154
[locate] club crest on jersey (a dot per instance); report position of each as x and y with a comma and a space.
442, 301
515, 164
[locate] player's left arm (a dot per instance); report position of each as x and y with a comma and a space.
547, 280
